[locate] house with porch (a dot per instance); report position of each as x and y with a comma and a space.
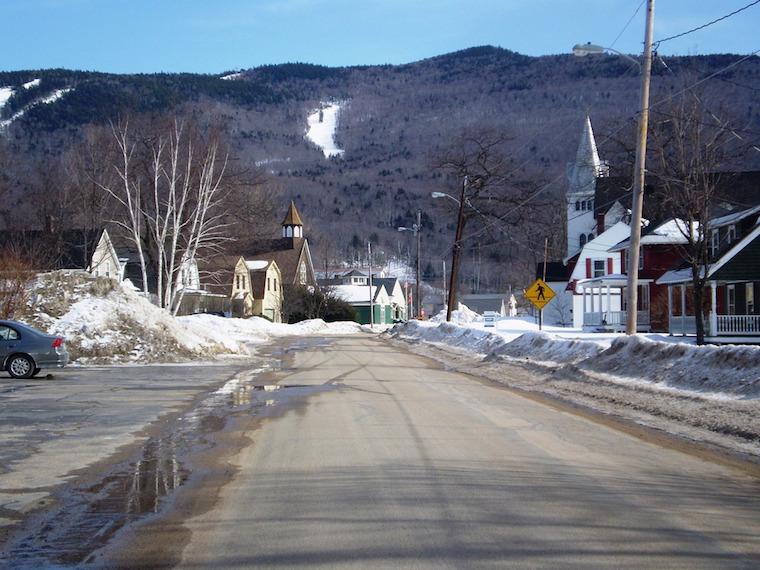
730, 313
596, 281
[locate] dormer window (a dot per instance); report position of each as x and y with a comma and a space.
577, 205
583, 240
714, 242
731, 234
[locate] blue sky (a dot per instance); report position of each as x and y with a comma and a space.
211, 36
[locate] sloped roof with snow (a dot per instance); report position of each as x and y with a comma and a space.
357, 294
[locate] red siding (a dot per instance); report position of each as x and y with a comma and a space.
588, 268
609, 266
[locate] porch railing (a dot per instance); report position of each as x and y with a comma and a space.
738, 324
614, 319
683, 324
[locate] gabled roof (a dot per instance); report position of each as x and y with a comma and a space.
357, 294
292, 218
752, 267
286, 252
734, 217
667, 233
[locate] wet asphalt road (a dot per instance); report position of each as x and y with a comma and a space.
53, 427
406, 465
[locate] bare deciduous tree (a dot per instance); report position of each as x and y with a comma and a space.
172, 201
690, 150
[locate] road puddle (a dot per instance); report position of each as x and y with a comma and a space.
87, 516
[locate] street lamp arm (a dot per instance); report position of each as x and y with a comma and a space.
582, 50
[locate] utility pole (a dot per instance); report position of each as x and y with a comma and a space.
417, 230
455, 254
639, 178
541, 311
371, 298
444, 280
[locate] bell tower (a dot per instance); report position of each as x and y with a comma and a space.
292, 226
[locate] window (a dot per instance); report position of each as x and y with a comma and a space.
590, 204
243, 280
750, 296
583, 240
583, 205
577, 205
302, 273
731, 234
108, 268
275, 283
731, 299
599, 267
590, 237
269, 283
714, 242
7, 333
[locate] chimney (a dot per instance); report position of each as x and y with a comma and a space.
599, 224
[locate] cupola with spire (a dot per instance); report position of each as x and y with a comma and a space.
292, 226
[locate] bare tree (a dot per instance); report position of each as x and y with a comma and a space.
172, 202
16, 273
690, 149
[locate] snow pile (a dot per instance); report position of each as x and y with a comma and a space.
543, 347
103, 321
256, 329
463, 315
731, 371
322, 126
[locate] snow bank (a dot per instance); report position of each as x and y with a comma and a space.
462, 315
106, 322
732, 371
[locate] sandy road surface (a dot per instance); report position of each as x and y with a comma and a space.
403, 464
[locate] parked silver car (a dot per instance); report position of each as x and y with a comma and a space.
24, 351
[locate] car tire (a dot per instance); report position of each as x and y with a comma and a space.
20, 366
36, 371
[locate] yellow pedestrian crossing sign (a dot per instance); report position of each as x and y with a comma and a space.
539, 294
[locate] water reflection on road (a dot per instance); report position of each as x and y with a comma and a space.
90, 514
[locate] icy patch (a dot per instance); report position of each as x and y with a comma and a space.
322, 126
32, 83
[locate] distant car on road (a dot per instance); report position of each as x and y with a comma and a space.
24, 350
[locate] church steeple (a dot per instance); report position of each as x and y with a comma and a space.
581, 190
586, 168
292, 226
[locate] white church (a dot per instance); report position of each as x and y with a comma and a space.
593, 226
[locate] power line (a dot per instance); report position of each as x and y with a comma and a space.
703, 26
628, 23
657, 103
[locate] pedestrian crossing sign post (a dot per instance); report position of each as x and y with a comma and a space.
539, 294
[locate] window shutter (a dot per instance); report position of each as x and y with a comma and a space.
588, 268
609, 266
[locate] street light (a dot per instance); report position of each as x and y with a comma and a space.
582, 50
417, 230
637, 200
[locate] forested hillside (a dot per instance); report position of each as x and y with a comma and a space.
395, 124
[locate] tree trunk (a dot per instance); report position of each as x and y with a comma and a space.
698, 290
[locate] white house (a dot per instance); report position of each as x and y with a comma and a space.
595, 261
